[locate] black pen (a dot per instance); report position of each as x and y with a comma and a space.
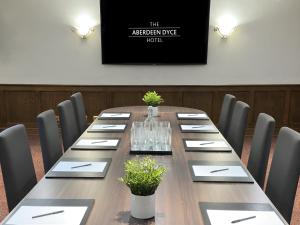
97, 142
241, 220
214, 171
88, 164
207, 143
48, 214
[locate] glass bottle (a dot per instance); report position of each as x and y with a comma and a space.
150, 128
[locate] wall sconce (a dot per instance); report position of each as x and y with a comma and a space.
225, 26
84, 26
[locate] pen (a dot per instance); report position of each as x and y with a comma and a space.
241, 220
48, 214
214, 171
116, 114
198, 126
192, 114
207, 143
108, 126
97, 142
89, 164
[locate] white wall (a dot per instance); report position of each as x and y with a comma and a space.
38, 47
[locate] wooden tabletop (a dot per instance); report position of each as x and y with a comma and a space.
177, 197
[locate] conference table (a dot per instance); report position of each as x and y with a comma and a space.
177, 197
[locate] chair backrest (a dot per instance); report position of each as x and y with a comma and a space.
284, 173
80, 112
49, 138
68, 123
16, 163
237, 126
260, 147
226, 113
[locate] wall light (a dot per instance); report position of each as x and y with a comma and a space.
225, 26
84, 26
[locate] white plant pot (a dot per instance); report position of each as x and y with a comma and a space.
143, 207
154, 110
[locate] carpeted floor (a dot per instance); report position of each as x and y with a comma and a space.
38, 164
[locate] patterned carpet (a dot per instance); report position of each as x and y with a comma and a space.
38, 164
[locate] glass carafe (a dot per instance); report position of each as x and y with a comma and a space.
150, 128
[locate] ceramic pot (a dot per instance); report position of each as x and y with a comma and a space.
154, 110
143, 207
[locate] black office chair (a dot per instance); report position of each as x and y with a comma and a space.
16, 163
284, 173
260, 147
49, 138
80, 112
226, 113
237, 126
68, 123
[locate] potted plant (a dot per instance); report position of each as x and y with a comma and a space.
152, 99
142, 176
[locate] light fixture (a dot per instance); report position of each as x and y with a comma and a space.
84, 26
225, 26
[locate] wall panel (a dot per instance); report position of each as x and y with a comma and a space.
272, 103
21, 103
21, 107
2, 109
199, 100
294, 113
50, 99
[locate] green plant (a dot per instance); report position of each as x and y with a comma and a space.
142, 176
151, 98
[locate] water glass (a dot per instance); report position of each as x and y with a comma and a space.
137, 135
164, 135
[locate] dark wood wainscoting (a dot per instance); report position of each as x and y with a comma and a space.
22, 103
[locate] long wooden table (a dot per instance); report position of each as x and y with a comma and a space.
177, 197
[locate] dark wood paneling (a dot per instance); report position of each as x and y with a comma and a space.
23, 102
2, 109
272, 103
22, 107
95, 102
294, 115
199, 100
131, 98
172, 98
50, 99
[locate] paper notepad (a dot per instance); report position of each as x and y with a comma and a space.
71, 215
97, 142
107, 127
192, 116
205, 144
115, 115
66, 166
197, 127
211, 171
225, 217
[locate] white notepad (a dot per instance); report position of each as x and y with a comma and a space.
192, 115
66, 166
72, 215
108, 127
205, 171
224, 217
112, 115
98, 142
206, 144
197, 127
